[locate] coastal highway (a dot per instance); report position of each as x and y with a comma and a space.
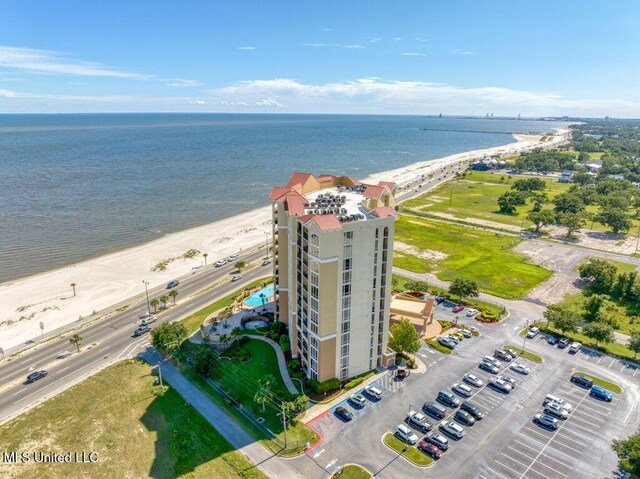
111, 339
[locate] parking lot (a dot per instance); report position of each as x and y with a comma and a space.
536, 452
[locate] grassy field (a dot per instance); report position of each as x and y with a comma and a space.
136, 429
485, 258
603, 383
412, 454
526, 354
621, 265
624, 322
351, 471
193, 322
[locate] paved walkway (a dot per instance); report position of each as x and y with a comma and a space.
267, 462
282, 363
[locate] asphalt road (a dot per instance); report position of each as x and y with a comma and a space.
107, 340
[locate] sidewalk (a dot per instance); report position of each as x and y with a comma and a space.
268, 463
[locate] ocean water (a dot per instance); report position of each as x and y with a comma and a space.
73, 187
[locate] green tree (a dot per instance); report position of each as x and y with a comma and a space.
541, 218
529, 185
562, 319
403, 337
599, 332
568, 203
463, 288
240, 265
164, 299
173, 293
76, 340
205, 359
263, 394
538, 198
634, 343
628, 452
582, 178
600, 273
168, 337
593, 306
155, 303
572, 222
583, 157
295, 407
510, 200
224, 339
615, 218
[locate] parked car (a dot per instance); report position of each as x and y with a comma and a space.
141, 330
430, 449
235, 278
471, 312
465, 418
472, 409
419, 421
438, 440
553, 409
489, 367
457, 308
509, 380
373, 392
36, 375
233, 257
473, 380
462, 390
405, 434
511, 352
466, 333
343, 413
552, 340
173, 284
533, 332
452, 429
550, 398
492, 360
500, 385
358, 400
546, 421
266, 262
575, 347
520, 368
446, 342
502, 354
439, 299
221, 262
601, 393
563, 343
582, 381
434, 409
448, 399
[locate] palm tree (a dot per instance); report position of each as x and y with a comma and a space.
264, 391
236, 333
73, 285
76, 340
204, 255
164, 299
240, 265
224, 338
173, 295
263, 299
154, 302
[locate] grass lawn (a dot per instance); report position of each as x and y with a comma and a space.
618, 313
526, 354
432, 343
485, 258
137, 431
412, 454
351, 471
193, 322
603, 383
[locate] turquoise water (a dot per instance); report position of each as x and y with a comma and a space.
73, 187
255, 301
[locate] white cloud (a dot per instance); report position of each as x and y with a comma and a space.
351, 46
52, 62
269, 102
327, 29
315, 45
462, 52
232, 103
397, 39
412, 54
246, 48
420, 39
196, 102
374, 40
8, 93
180, 83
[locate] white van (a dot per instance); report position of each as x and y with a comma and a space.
575, 347
373, 392
405, 434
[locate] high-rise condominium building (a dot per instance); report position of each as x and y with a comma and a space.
333, 247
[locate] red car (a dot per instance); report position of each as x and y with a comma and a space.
431, 449
457, 308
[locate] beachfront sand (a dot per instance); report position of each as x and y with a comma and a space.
110, 279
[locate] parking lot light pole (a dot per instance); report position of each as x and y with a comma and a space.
524, 340
146, 283
406, 442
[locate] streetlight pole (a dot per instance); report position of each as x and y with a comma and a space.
406, 442
266, 243
524, 340
146, 290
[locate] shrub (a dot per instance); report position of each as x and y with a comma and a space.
286, 347
354, 382
411, 363
283, 339
243, 340
398, 360
445, 324
323, 387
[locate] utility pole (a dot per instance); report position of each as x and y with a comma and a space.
521, 226
146, 283
284, 420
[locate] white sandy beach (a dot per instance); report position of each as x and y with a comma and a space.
111, 279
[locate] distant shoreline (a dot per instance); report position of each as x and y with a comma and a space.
112, 278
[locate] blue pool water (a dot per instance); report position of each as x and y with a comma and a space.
254, 300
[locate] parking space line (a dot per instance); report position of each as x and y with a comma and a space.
536, 451
497, 473
612, 361
515, 460
535, 432
518, 452
568, 438
599, 359
554, 449
591, 408
548, 467
504, 465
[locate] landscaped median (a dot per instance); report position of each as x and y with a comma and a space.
603, 383
352, 471
412, 454
526, 354
432, 343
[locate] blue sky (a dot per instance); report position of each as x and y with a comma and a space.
414, 57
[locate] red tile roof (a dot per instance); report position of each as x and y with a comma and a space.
278, 193
388, 185
327, 222
298, 179
374, 192
384, 212
294, 204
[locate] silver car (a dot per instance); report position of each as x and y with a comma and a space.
452, 429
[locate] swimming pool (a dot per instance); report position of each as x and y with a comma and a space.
255, 300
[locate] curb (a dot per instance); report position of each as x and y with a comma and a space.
431, 464
352, 464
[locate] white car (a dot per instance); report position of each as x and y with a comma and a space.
473, 380
419, 421
221, 262
471, 312
554, 409
235, 278
575, 347
452, 429
555, 399
533, 332
520, 368
233, 257
148, 320
358, 400
492, 360
466, 333
461, 390
500, 385
405, 434
373, 392
266, 262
